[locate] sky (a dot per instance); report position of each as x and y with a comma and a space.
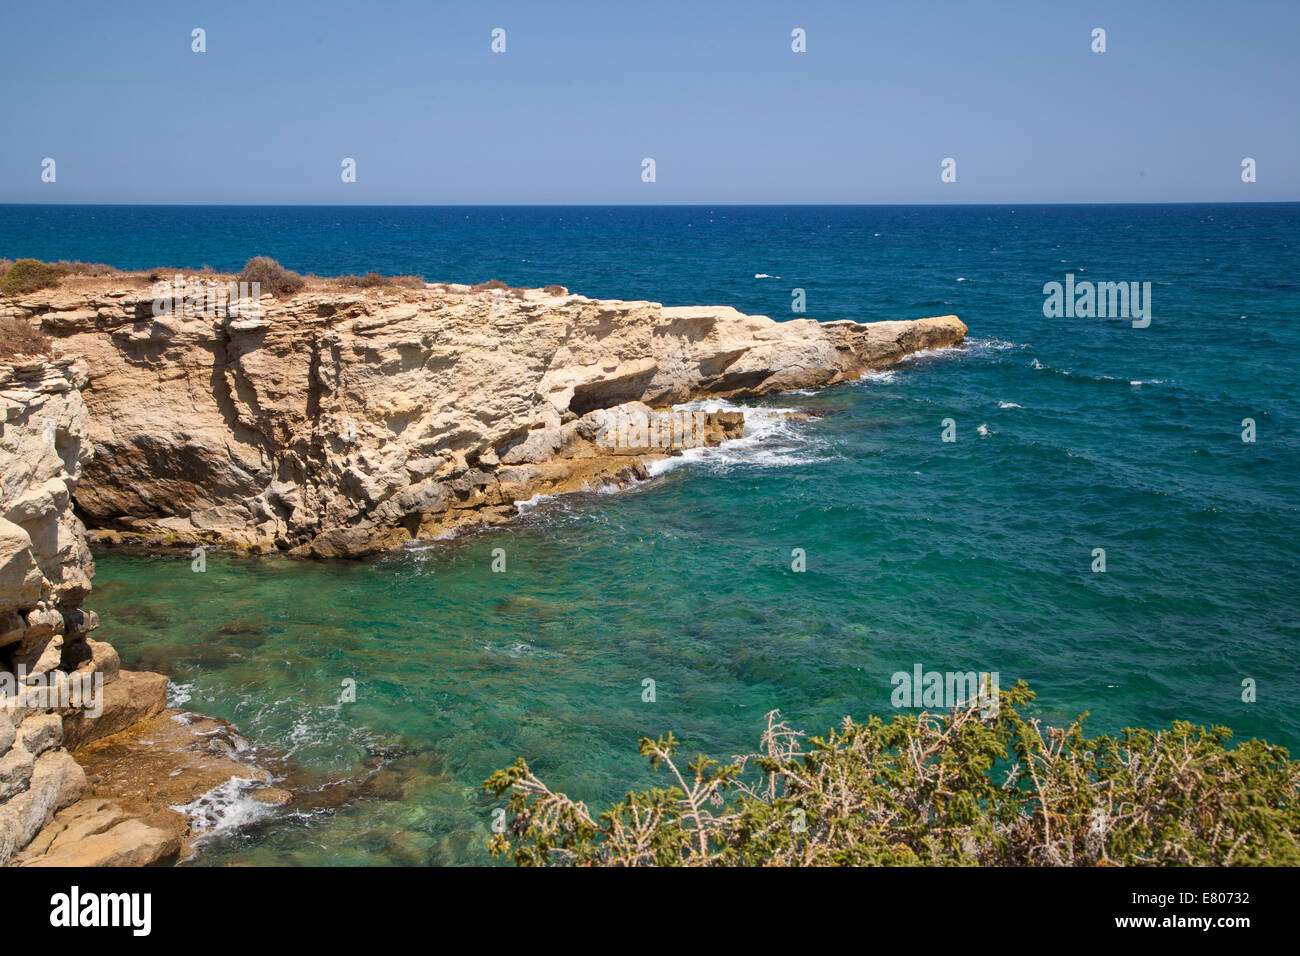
711, 91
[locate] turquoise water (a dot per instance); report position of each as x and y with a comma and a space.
1072, 434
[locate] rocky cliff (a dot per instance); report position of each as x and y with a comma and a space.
45, 570
60, 691
344, 421
332, 422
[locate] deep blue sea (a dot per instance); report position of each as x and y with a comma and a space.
1072, 434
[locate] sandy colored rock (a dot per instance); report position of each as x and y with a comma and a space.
16, 766
56, 781
124, 842
20, 577
133, 697
103, 660
44, 446
45, 572
345, 421
168, 761
40, 733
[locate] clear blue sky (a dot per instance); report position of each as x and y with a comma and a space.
710, 90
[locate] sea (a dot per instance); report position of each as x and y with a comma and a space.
1115, 520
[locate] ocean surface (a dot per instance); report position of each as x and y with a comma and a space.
1072, 433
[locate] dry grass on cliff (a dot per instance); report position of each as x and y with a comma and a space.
373, 280
493, 285
272, 277
95, 269
20, 338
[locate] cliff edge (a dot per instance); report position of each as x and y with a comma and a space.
343, 421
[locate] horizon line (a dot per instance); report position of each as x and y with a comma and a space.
607, 205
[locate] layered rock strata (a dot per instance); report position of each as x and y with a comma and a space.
333, 422
342, 422
63, 696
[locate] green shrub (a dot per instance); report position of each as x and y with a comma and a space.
959, 789
28, 275
19, 337
271, 276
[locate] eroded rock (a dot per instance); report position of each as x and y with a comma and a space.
349, 421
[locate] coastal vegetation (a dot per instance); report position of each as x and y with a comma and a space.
495, 285
18, 337
956, 789
373, 280
28, 275
271, 276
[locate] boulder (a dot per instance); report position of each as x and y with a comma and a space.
56, 781
135, 696
20, 577
40, 733
128, 842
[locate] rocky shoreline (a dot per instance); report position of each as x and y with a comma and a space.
64, 698
342, 422
330, 423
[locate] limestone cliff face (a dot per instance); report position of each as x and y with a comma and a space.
63, 694
45, 566
347, 421
334, 422
45, 570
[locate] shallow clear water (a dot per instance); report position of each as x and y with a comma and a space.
1072, 434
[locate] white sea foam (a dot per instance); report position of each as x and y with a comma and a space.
771, 440
178, 695
993, 345
925, 355
1009, 405
225, 808
523, 507
613, 487
879, 376
516, 650
764, 275
983, 431
421, 545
